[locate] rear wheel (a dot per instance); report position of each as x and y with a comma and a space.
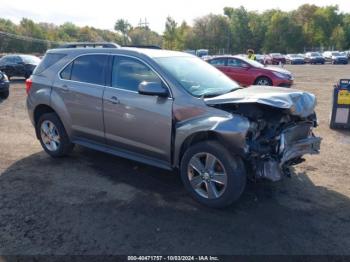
263, 81
53, 136
5, 94
212, 175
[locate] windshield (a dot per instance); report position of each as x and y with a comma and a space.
196, 76
252, 62
335, 54
28, 59
315, 54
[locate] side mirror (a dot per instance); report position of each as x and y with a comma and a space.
152, 89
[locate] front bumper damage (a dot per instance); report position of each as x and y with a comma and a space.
293, 143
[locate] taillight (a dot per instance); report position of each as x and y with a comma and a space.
29, 84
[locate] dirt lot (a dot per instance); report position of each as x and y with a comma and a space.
93, 203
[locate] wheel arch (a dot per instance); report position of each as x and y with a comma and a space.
209, 135
44, 109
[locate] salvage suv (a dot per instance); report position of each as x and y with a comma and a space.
171, 110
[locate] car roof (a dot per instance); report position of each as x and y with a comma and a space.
154, 53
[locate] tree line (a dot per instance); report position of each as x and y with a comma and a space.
309, 27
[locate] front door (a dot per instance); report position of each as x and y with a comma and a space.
141, 124
239, 71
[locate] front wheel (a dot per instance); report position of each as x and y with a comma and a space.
53, 136
212, 175
263, 81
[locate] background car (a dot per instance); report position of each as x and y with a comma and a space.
18, 65
335, 57
248, 72
276, 59
260, 58
295, 59
314, 58
4, 86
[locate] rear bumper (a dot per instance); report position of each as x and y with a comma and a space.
30, 110
297, 62
341, 61
317, 61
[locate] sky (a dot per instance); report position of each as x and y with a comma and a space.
103, 13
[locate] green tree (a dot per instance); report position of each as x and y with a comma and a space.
123, 27
283, 34
144, 36
170, 34
338, 39
241, 34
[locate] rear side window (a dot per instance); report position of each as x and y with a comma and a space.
88, 69
66, 73
48, 60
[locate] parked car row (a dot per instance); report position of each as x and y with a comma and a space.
333, 57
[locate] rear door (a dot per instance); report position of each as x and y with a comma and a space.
80, 87
134, 122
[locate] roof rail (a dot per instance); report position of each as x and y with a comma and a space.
144, 46
89, 45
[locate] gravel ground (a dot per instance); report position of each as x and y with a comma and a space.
94, 203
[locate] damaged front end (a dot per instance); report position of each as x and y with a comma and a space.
281, 128
271, 157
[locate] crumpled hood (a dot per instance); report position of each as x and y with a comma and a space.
299, 103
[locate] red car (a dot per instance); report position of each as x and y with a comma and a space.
248, 72
276, 59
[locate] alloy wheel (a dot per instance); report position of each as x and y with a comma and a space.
49, 135
263, 82
207, 175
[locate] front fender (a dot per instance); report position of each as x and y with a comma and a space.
231, 129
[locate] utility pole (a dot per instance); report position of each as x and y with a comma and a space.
144, 23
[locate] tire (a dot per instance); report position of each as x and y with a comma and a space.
231, 185
63, 145
5, 94
263, 81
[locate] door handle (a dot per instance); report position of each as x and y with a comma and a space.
64, 88
114, 100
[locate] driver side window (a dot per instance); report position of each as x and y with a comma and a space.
128, 73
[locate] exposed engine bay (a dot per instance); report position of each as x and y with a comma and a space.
277, 139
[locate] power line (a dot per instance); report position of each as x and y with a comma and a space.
27, 38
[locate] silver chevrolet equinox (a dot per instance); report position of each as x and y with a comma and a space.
171, 110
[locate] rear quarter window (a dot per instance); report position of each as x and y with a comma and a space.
48, 60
